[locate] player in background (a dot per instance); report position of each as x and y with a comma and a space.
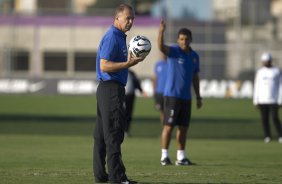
159, 81
268, 95
112, 63
183, 68
133, 83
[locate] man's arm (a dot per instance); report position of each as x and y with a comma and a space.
111, 66
163, 48
196, 86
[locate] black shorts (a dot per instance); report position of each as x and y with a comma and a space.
177, 111
159, 101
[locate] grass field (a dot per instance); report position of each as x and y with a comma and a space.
48, 140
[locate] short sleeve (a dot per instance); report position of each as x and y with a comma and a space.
173, 52
108, 50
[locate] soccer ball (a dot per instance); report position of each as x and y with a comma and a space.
139, 46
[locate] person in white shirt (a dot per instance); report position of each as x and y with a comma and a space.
268, 95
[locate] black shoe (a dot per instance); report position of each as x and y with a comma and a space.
102, 180
184, 161
166, 161
127, 181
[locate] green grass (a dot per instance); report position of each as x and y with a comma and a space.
75, 115
30, 159
86, 106
48, 140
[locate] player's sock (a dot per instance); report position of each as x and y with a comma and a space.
181, 154
164, 154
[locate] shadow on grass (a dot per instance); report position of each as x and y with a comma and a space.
64, 118
216, 128
44, 118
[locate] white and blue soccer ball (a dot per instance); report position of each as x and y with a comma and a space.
139, 46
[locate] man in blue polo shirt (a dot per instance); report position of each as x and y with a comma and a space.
182, 73
112, 63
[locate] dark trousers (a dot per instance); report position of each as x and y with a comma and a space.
129, 105
265, 111
109, 132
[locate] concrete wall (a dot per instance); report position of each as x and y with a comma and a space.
68, 36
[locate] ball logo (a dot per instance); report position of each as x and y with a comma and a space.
139, 44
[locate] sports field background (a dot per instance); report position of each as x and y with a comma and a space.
48, 139
75, 115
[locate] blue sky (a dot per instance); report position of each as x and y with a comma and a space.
201, 9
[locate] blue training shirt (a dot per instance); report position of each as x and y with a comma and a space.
161, 73
112, 48
181, 68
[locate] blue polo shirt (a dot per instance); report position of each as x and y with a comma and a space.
161, 73
181, 68
112, 48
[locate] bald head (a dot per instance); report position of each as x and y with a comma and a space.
124, 17
122, 7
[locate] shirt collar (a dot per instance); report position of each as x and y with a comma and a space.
117, 31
